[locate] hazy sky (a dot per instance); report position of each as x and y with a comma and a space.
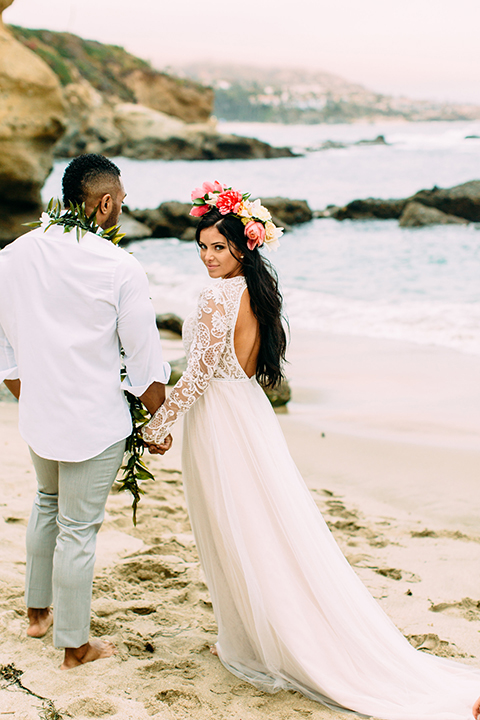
422, 48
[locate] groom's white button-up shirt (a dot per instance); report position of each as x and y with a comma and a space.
66, 308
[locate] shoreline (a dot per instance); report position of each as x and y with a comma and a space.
394, 478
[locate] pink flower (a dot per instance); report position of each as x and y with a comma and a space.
229, 201
199, 210
207, 187
213, 187
198, 193
255, 232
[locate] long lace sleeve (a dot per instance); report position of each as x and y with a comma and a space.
205, 351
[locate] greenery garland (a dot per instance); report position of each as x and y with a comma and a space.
75, 217
135, 470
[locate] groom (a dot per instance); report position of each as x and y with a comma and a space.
67, 306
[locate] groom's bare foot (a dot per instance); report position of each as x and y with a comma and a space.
92, 650
40, 620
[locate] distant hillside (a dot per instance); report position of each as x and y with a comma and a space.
115, 73
294, 95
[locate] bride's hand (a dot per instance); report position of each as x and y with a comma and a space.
160, 449
476, 709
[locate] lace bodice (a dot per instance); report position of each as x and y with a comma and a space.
208, 336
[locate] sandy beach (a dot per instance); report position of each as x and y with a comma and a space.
387, 437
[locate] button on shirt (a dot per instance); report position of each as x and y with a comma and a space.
67, 306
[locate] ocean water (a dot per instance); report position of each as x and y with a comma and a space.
366, 278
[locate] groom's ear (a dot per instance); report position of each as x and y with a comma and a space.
105, 204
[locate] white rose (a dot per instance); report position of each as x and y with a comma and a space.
259, 212
272, 235
245, 209
211, 199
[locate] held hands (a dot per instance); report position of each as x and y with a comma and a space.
160, 449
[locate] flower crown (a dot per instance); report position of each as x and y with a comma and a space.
259, 227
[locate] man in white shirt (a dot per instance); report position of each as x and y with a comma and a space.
67, 306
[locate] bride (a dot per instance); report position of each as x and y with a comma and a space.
291, 612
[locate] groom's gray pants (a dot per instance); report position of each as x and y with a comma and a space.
67, 514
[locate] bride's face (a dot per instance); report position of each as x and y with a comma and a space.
216, 256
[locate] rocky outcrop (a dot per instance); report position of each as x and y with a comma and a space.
170, 219
335, 145
288, 212
417, 215
132, 229
132, 130
32, 119
366, 210
169, 321
461, 200
280, 395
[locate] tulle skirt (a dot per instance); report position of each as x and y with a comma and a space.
291, 612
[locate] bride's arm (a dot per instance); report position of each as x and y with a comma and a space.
205, 352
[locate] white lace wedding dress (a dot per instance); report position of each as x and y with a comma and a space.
291, 612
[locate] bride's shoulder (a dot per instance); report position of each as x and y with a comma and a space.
223, 289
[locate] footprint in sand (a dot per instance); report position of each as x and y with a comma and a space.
466, 608
432, 644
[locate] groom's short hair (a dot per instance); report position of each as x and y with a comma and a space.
86, 175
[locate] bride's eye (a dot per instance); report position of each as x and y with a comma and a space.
219, 247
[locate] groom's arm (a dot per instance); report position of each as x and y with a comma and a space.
147, 373
14, 387
153, 397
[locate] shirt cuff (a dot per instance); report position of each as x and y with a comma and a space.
162, 377
11, 374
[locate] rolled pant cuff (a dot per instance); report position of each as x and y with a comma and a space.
70, 638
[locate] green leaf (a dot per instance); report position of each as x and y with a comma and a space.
144, 475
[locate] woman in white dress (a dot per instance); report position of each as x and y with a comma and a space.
291, 612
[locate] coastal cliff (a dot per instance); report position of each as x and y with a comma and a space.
32, 118
117, 104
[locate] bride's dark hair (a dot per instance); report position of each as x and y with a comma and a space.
265, 297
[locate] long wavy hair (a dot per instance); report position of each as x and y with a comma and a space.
265, 297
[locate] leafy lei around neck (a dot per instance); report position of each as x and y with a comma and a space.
75, 217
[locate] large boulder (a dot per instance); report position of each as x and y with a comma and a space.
367, 209
32, 118
416, 215
171, 322
170, 219
132, 228
288, 212
461, 200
